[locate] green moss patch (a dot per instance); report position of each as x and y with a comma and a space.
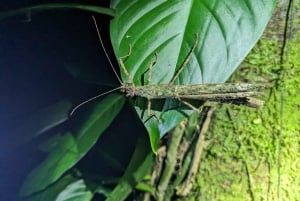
255, 154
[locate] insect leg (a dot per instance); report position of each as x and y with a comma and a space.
186, 60
121, 61
198, 110
151, 67
150, 114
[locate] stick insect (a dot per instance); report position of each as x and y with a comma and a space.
235, 93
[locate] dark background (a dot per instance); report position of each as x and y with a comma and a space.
36, 55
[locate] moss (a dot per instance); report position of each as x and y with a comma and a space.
242, 161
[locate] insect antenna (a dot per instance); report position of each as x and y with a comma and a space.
105, 52
112, 66
91, 99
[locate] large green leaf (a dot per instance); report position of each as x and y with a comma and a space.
64, 151
227, 31
63, 154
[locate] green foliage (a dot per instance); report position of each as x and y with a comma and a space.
139, 166
75, 191
65, 150
227, 33
68, 188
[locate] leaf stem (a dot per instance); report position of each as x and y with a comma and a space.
43, 7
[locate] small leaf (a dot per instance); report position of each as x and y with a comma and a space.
144, 187
75, 191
